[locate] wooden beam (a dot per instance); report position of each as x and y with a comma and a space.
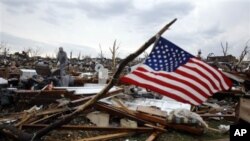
156, 127
153, 136
107, 137
90, 128
230, 117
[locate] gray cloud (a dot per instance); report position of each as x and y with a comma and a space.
236, 11
162, 11
55, 16
211, 31
104, 10
21, 6
55, 11
97, 10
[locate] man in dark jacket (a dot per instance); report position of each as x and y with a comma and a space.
63, 60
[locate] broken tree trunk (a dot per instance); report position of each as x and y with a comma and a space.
14, 133
111, 83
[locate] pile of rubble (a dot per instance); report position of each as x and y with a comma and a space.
35, 100
124, 111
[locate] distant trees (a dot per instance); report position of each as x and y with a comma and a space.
100, 55
4, 48
224, 48
244, 53
114, 53
32, 51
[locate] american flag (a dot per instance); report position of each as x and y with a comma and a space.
173, 72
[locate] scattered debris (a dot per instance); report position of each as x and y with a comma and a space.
34, 96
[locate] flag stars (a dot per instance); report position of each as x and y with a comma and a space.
166, 56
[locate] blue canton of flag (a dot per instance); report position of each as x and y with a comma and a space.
166, 56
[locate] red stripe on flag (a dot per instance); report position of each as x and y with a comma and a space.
171, 95
203, 75
224, 78
185, 82
166, 75
168, 85
185, 74
211, 72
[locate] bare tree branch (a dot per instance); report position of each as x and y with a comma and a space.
224, 49
114, 55
245, 52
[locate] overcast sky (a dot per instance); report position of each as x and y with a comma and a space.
81, 25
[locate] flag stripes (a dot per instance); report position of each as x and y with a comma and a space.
173, 72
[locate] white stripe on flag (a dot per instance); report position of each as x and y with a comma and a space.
198, 76
176, 75
175, 83
225, 86
166, 89
205, 72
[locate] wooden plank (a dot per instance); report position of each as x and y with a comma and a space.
106, 137
244, 112
43, 96
156, 127
44, 118
90, 128
153, 136
230, 117
152, 111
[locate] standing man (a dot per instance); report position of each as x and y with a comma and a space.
63, 60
